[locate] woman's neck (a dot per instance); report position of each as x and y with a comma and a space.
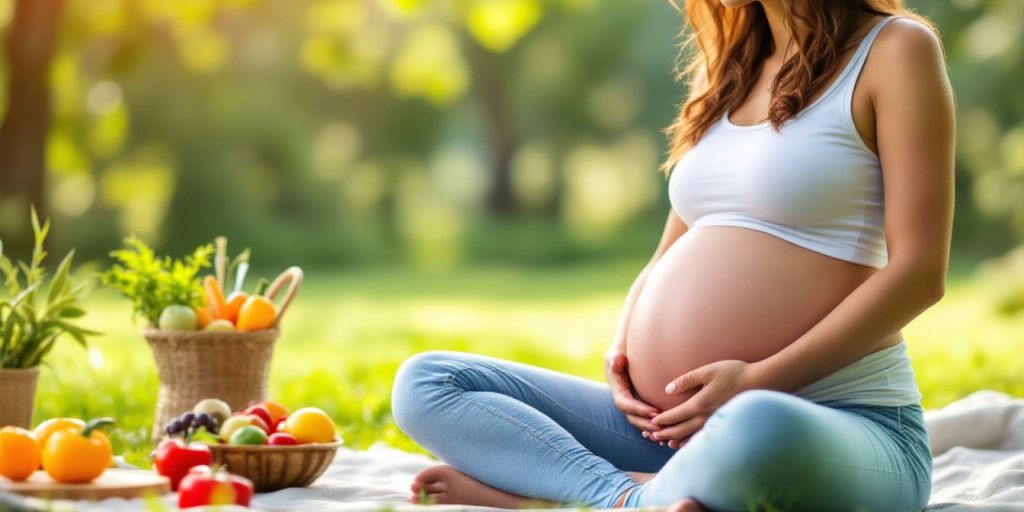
777, 13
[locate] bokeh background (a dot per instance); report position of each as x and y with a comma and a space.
459, 174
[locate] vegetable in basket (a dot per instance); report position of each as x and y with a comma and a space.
154, 283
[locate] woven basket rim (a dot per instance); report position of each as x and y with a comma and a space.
154, 333
263, 448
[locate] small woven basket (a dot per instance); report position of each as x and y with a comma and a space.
17, 396
272, 468
193, 365
231, 366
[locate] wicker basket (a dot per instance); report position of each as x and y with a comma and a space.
231, 366
272, 468
193, 365
17, 396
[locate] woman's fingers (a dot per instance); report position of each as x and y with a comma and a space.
691, 408
641, 423
626, 403
680, 431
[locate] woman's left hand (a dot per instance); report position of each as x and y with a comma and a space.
717, 382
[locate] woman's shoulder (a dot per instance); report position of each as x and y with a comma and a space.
906, 54
905, 41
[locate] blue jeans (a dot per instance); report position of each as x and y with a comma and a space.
546, 435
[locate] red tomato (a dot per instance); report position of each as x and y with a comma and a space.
202, 486
174, 459
282, 439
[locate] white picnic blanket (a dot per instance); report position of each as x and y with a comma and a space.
978, 443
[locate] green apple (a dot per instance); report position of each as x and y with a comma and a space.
230, 425
248, 434
178, 318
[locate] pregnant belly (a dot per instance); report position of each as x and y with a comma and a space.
728, 293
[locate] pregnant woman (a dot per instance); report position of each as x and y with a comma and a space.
759, 360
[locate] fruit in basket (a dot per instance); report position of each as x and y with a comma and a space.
248, 435
219, 409
188, 424
238, 421
78, 455
282, 439
19, 453
202, 486
220, 325
310, 425
258, 312
262, 412
174, 458
277, 411
178, 318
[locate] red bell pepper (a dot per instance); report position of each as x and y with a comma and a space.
174, 458
203, 486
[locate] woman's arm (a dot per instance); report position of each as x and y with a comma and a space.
914, 122
914, 119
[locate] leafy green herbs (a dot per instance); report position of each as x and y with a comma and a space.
153, 283
33, 318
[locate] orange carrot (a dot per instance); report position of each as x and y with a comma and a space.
215, 298
235, 302
204, 316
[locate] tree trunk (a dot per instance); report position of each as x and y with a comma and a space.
489, 91
30, 47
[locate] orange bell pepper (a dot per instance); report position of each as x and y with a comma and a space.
78, 455
258, 312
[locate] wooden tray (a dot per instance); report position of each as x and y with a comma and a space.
114, 483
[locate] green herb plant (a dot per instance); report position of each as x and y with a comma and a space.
153, 283
33, 319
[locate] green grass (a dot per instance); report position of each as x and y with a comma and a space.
349, 331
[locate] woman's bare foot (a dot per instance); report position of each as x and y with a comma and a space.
687, 505
641, 478
446, 485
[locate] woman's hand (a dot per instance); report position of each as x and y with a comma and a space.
718, 382
638, 413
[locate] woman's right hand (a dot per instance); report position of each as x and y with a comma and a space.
638, 412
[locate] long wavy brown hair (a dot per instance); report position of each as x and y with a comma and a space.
726, 47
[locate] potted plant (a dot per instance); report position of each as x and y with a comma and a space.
205, 343
33, 316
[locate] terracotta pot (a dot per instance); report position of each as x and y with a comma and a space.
17, 396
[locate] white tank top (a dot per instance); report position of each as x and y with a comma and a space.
813, 182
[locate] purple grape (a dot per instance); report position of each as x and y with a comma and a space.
176, 426
201, 420
187, 419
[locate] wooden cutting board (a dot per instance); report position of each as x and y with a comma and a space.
114, 483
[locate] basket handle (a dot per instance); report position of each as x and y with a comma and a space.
293, 276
